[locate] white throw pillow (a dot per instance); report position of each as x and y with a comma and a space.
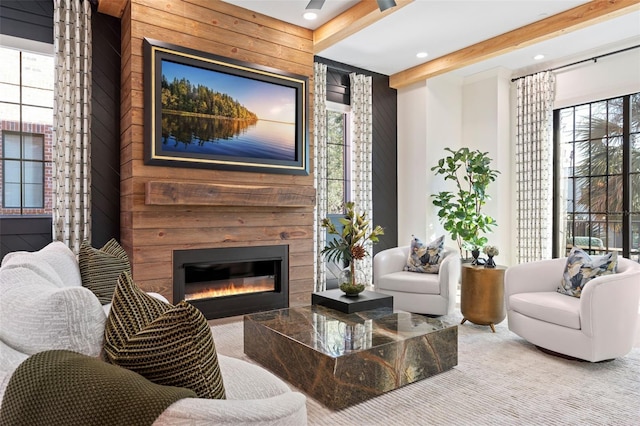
36, 314
56, 257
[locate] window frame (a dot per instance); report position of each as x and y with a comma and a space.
347, 152
22, 160
560, 248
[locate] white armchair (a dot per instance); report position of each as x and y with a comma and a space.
599, 325
431, 294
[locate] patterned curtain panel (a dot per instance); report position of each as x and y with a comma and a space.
72, 123
534, 166
361, 177
320, 169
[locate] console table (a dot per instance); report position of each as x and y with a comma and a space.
482, 295
342, 358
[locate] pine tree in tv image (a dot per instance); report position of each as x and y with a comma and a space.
214, 113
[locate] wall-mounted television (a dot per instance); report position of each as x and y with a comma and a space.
207, 111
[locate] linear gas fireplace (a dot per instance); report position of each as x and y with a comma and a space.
224, 282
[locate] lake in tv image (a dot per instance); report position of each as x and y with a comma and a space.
214, 113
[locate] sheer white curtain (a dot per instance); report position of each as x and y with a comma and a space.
362, 129
72, 123
534, 166
320, 169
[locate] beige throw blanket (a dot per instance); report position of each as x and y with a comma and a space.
66, 388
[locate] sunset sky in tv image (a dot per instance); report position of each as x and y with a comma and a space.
269, 101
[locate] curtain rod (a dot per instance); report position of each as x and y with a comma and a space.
594, 59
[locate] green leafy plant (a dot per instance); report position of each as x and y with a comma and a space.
460, 212
349, 245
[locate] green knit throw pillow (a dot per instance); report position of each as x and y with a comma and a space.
100, 268
169, 345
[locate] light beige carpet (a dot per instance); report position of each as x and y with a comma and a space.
500, 379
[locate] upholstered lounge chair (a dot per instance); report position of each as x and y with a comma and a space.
600, 325
431, 294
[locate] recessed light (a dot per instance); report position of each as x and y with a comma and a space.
538, 57
422, 54
310, 15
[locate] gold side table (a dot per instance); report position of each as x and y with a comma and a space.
482, 295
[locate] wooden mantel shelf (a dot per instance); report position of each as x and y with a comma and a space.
208, 194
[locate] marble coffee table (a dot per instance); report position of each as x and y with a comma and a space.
341, 358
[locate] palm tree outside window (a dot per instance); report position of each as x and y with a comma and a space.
598, 169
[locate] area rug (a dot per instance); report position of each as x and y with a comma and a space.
500, 379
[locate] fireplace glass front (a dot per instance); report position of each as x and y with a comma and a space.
224, 282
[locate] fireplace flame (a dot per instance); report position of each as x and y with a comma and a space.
229, 290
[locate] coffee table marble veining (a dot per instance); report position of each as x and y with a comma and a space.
345, 358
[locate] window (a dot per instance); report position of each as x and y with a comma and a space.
599, 165
23, 170
338, 158
26, 132
338, 174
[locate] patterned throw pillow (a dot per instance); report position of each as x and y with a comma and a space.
425, 258
580, 269
100, 268
169, 345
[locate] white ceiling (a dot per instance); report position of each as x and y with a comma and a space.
440, 27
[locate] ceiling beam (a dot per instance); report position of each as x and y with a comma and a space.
573, 19
112, 7
350, 22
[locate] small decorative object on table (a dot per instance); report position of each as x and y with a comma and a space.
349, 246
477, 260
490, 251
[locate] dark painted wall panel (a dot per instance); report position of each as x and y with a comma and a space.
24, 233
27, 19
105, 130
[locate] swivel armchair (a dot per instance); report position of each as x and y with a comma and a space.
422, 293
600, 325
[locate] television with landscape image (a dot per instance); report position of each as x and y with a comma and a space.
203, 110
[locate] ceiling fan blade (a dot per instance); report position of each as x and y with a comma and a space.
315, 4
386, 4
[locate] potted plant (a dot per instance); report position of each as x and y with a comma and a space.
460, 211
349, 246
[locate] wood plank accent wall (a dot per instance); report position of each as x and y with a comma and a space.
150, 233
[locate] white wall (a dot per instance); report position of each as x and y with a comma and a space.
611, 76
412, 154
447, 111
486, 127
429, 117
444, 114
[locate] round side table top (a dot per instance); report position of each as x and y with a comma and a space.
482, 267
